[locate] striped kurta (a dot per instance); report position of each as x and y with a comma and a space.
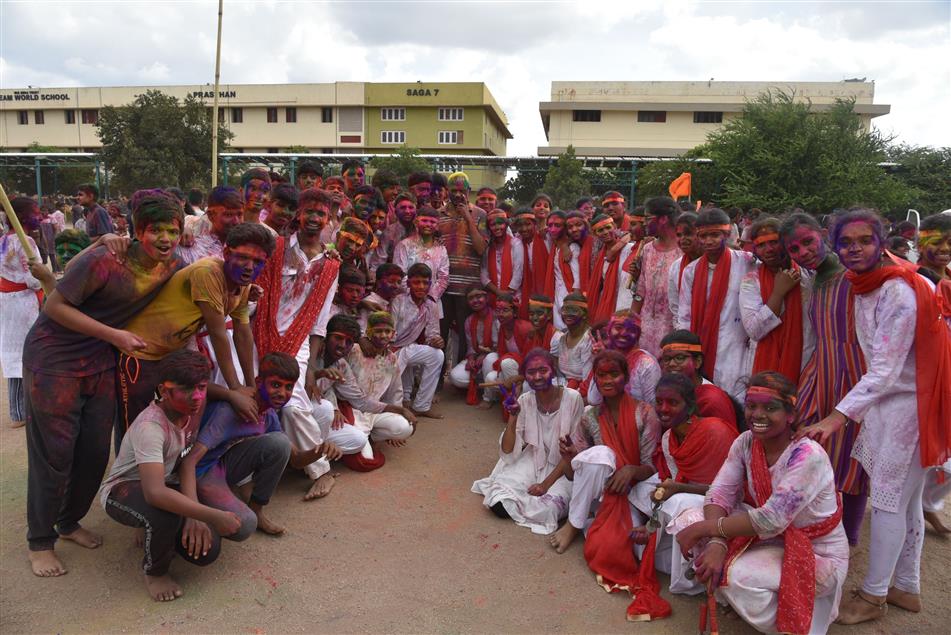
836, 365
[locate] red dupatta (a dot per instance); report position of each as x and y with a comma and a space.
932, 357
704, 313
472, 396
503, 281
543, 340
522, 331
607, 547
797, 580
781, 349
584, 268
534, 273
684, 261
264, 328
602, 293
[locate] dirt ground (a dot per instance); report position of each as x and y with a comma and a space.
406, 549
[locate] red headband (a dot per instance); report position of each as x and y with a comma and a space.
765, 238
771, 393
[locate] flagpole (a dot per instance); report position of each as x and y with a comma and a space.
214, 110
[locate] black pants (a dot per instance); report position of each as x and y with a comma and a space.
68, 422
455, 310
136, 380
163, 530
264, 457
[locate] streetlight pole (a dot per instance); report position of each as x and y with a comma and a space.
214, 110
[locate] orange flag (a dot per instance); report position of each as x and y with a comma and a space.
680, 187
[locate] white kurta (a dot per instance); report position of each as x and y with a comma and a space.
574, 362
885, 399
732, 340
803, 495
534, 457
18, 309
759, 320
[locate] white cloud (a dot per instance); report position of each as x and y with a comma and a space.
517, 48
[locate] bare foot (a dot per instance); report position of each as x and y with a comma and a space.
45, 564
935, 520
265, 524
396, 443
84, 538
432, 413
140, 537
861, 607
484, 405
563, 538
408, 405
162, 588
904, 600
321, 487
17, 424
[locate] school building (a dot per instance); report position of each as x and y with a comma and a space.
341, 117
663, 119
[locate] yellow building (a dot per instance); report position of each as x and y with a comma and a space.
661, 119
342, 117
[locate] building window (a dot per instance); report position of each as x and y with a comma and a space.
290, 115
393, 114
272, 115
392, 136
707, 117
39, 117
586, 115
451, 114
23, 117
272, 150
90, 116
237, 115
448, 137
70, 116
651, 116
326, 114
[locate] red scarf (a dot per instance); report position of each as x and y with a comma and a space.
264, 329
797, 580
698, 458
543, 340
704, 314
534, 272
607, 547
472, 396
932, 357
522, 331
503, 281
712, 401
602, 293
781, 349
9, 286
584, 268
684, 261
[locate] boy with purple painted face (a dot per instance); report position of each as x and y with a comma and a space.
204, 294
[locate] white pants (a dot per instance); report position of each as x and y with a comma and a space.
459, 376
592, 468
507, 370
430, 361
932, 498
897, 538
352, 439
306, 428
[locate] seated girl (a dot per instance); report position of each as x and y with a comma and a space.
525, 484
791, 585
574, 346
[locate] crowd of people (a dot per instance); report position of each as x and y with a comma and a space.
717, 396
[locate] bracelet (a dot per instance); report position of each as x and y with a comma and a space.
720, 542
720, 528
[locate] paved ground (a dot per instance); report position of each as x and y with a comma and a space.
403, 549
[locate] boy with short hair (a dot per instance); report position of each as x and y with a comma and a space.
280, 207
417, 339
482, 332
351, 288
69, 375
143, 489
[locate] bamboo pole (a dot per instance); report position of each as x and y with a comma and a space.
17, 227
214, 111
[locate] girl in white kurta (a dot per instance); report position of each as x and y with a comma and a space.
534, 455
889, 315
19, 308
801, 498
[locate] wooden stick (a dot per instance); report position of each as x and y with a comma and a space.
17, 227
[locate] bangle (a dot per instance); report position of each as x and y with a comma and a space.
720, 528
719, 541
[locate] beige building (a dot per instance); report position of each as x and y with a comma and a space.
660, 119
343, 117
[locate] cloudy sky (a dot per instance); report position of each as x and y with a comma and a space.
517, 48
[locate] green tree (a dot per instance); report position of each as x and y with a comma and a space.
404, 162
781, 153
566, 180
523, 187
927, 173
157, 141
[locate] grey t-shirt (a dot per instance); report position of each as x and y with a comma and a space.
151, 438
